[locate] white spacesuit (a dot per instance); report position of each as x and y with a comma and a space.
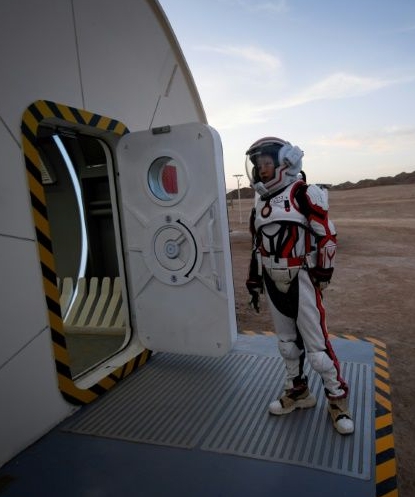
293, 254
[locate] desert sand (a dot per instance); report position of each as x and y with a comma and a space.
372, 293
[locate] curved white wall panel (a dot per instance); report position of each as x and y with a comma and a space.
15, 217
22, 302
38, 57
35, 411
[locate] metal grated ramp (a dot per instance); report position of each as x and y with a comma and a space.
221, 405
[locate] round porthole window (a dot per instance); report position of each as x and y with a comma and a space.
166, 179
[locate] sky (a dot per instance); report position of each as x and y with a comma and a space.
336, 78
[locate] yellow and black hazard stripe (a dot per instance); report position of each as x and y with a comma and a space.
257, 332
386, 470
34, 115
386, 473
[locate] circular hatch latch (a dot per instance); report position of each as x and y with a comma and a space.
174, 254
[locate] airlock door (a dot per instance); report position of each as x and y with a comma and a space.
176, 239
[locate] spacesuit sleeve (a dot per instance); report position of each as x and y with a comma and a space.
324, 231
254, 281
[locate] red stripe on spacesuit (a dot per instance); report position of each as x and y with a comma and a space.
280, 170
318, 215
329, 348
322, 220
291, 241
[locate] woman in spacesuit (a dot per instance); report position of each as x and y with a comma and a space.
293, 254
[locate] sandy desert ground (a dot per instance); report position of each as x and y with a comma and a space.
372, 293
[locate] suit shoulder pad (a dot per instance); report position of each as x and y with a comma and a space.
318, 196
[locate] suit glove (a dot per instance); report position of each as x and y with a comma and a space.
255, 287
320, 276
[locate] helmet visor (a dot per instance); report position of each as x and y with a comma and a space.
262, 158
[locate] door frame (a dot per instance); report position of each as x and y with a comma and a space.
108, 130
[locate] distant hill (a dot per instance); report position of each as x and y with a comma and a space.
399, 179
245, 192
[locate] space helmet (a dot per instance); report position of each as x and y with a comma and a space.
287, 160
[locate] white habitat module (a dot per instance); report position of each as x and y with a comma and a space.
113, 224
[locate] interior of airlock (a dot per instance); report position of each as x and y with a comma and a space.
85, 239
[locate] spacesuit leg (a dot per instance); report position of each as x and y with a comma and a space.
311, 322
291, 347
290, 344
